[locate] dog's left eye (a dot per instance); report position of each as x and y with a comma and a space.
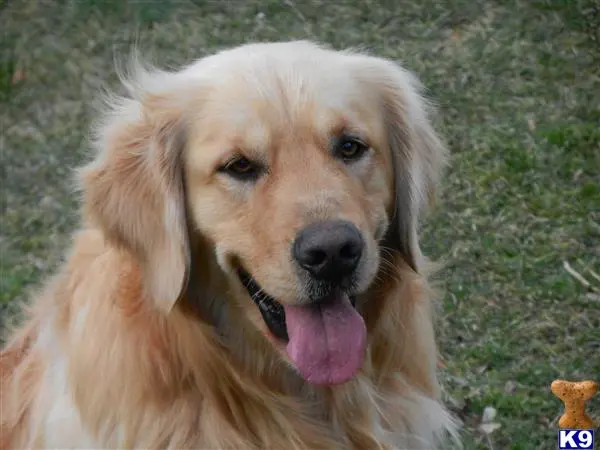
241, 168
350, 149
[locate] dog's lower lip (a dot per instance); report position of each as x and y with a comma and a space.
272, 311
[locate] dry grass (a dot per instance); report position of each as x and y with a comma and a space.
519, 94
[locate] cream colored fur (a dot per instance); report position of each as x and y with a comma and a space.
145, 339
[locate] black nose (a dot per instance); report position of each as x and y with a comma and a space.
329, 250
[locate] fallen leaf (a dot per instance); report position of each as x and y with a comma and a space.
510, 387
18, 75
592, 296
489, 428
482, 369
489, 414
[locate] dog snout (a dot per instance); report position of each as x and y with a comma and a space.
329, 251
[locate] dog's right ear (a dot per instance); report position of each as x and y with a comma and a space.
417, 152
133, 189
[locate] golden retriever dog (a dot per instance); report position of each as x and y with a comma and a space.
247, 273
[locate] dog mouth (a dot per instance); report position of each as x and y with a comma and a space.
271, 310
325, 340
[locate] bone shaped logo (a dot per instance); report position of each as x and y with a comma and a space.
574, 395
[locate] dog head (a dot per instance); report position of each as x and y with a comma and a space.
295, 163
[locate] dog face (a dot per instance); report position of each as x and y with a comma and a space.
295, 163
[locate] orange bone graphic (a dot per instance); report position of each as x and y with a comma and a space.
574, 395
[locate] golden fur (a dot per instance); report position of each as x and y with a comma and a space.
146, 339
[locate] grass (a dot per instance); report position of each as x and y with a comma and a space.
518, 88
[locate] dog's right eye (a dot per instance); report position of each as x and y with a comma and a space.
242, 169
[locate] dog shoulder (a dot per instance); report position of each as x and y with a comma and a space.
36, 400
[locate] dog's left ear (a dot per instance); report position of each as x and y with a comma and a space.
417, 153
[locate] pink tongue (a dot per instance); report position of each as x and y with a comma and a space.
327, 341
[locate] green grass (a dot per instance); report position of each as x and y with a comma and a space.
518, 87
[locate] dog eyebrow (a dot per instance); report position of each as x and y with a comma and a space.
344, 126
349, 131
